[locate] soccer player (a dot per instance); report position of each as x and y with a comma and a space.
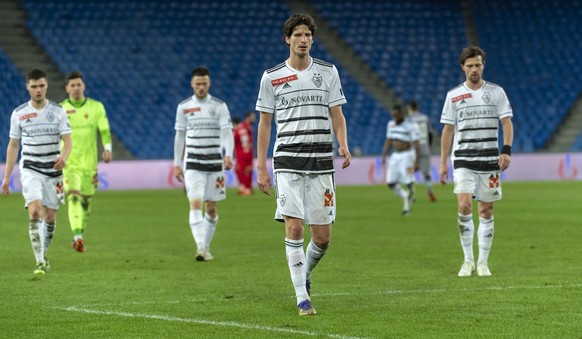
470, 116
243, 153
402, 135
204, 129
87, 117
422, 122
40, 125
305, 95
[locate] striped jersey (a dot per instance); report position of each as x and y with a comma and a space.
406, 131
40, 133
203, 120
86, 119
476, 115
300, 102
422, 122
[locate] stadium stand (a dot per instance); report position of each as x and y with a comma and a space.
14, 93
531, 59
137, 57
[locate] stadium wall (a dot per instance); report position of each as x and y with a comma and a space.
158, 174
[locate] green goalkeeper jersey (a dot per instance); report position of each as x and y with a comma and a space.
86, 118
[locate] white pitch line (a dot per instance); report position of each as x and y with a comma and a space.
349, 294
204, 322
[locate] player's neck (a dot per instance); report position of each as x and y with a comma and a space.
78, 101
39, 104
474, 85
299, 63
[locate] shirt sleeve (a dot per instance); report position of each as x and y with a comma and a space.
266, 99
503, 106
64, 126
225, 121
103, 125
448, 116
181, 122
15, 131
336, 93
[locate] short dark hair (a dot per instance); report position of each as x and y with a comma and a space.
413, 105
35, 74
296, 20
471, 52
200, 71
236, 120
74, 75
397, 108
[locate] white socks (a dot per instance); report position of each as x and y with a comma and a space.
48, 232
313, 255
466, 232
202, 229
35, 232
209, 227
297, 267
485, 238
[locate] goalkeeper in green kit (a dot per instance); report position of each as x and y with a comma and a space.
86, 116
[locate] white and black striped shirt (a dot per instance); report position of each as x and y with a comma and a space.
203, 120
406, 131
40, 132
476, 115
300, 101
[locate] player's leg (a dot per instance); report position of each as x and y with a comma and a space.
89, 182
488, 191
465, 183
408, 178
195, 182
32, 191
290, 190
215, 191
49, 227
321, 210
248, 177
210, 221
393, 177
425, 169
72, 179
53, 197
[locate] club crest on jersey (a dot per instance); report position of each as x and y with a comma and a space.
86, 115
327, 198
220, 182
191, 110
212, 112
50, 116
494, 180
71, 111
486, 97
317, 80
27, 116
461, 97
282, 200
283, 80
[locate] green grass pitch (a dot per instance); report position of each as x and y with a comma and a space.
385, 276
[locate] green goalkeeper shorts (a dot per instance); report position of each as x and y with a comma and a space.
84, 181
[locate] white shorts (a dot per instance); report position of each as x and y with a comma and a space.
401, 167
208, 186
484, 187
310, 197
35, 186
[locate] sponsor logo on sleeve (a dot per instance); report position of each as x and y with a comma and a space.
27, 116
461, 97
192, 110
283, 80
71, 111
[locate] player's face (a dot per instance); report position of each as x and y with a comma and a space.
37, 89
473, 68
397, 115
300, 41
76, 89
201, 85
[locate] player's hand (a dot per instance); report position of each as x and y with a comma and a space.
107, 157
444, 174
227, 162
59, 163
345, 152
504, 161
6, 186
264, 180
178, 173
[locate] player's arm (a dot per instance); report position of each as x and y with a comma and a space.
446, 143
341, 133
11, 157
227, 141
387, 147
505, 156
105, 131
179, 146
263, 139
65, 151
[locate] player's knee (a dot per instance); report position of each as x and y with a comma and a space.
196, 204
465, 208
486, 212
211, 210
391, 186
